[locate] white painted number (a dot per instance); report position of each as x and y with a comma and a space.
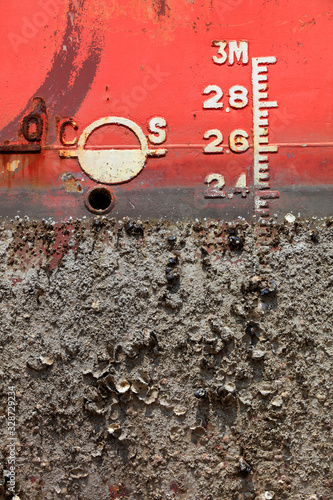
214, 146
213, 102
224, 56
241, 183
238, 142
238, 51
157, 126
216, 184
238, 97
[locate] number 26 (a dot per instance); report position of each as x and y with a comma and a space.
238, 141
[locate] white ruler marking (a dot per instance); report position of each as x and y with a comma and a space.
261, 105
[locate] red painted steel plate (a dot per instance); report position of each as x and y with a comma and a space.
170, 108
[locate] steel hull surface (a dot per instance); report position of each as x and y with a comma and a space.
177, 109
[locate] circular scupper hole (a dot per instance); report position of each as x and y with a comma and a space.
99, 200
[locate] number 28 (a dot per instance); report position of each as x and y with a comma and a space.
238, 97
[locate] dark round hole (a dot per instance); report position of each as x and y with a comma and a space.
99, 200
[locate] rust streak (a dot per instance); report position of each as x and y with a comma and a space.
52, 90
161, 7
308, 24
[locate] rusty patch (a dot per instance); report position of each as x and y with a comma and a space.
161, 7
178, 486
307, 24
118, 491
20, 148
71, 184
